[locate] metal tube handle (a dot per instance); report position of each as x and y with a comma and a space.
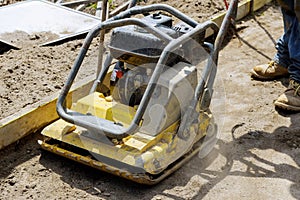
108, 127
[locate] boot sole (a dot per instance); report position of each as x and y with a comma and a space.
257, 76
286, 107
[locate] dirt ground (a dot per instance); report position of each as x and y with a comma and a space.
34, 72
257, 155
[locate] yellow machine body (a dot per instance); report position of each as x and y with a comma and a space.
144, 156
146, 115
147, 111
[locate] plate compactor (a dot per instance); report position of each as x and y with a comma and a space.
147, 112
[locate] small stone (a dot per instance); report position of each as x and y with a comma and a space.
11, 182
48, 90
106, 194
57, 87
11, 176
34, 37
31, 186
97, 191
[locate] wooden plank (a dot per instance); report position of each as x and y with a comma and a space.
39, 115
257, 4
73, 4
244, 8
119, 9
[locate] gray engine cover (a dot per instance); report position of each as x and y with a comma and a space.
170, 99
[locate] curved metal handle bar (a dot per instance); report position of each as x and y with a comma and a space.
95, 31
108, 127
231, 14
71, 116
110, 24
161, 63
186, 120
163, 7
209, 73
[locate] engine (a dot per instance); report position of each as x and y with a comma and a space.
138, 51
134, 45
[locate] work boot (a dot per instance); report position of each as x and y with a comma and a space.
269, 71
290, 99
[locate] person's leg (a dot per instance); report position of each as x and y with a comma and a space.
282, 56
290, 100
278, 67
294, 49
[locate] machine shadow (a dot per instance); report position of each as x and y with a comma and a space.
284, 140
234, 28
253, 17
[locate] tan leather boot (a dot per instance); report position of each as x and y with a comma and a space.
269, 71
290, 99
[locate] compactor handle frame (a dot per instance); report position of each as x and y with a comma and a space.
204, 89
109, 128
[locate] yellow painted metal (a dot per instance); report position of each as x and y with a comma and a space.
257, 4
140, 178
152, 154
123, 114
163, 147
101, 145
95, 104
104, 107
